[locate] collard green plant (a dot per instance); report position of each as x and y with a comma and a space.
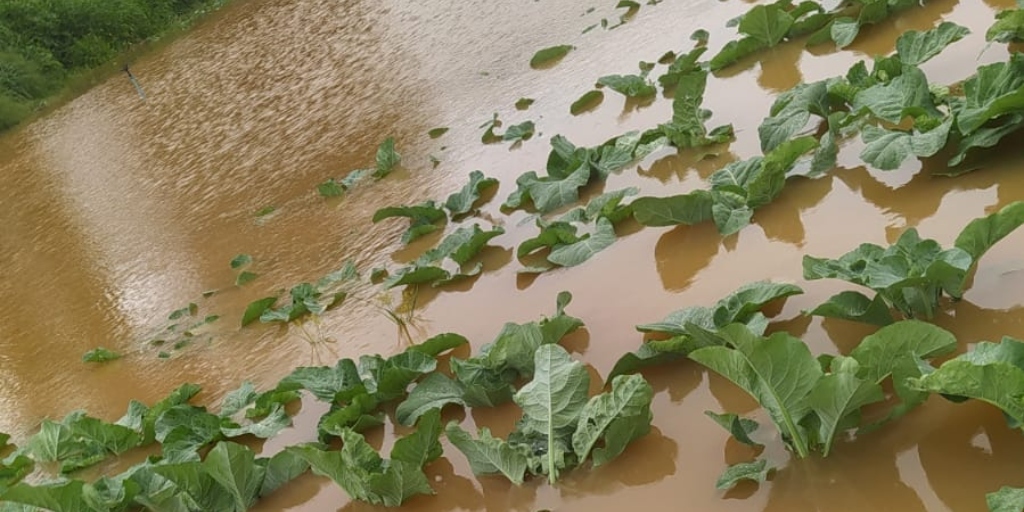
912, 274
424, 218
567, 246
560, 427
990, 372
630, 86
569, 168
461, 202
736, 191
447, 262
488, 379
364, 475
356, 390
692, 327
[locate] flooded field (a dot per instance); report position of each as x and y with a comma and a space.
118, 211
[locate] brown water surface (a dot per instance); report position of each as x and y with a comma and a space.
117, 211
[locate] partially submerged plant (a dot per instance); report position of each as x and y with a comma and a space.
912, 274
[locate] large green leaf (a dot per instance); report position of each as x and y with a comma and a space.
549, 193
999, 382
1009, 27
791, 111
421, 446
632, 86
460, 246
183, 429
915, 48
489, 455
686, 129
688, 209
905, 95
778, 371
768, 24
995, 90
423, 218
56, 497
233, 467
325, 382
282, 468
837, 398
617, 418
433, 392
982, 233
553, 400
582, 250
461, 202
855, 306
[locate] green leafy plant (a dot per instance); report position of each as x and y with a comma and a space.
736, 191
560, 428
488, 379
688, 329
363, 474
549, 55
811, 401
519, 132
100, 355
305, 298
424, 218
461, 202
569, 168
565, 245
446, 262
912, 274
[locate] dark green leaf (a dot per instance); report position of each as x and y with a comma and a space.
387, 158
756, 471
489, 455
689, 209
100, 355
519, 132
462, 201
256, 308
240, 261
589, 101
915, 48
549, 55
855, 306
982, 233
768, 24
437, 132
631, 86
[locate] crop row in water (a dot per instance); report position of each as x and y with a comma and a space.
811, 401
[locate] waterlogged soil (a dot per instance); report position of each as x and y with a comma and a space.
118, 210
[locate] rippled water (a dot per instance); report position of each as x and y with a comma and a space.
117, 211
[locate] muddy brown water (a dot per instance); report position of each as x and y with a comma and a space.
117, 211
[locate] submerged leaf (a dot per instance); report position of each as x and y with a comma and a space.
387, 158
549, 55
100, 355
589, 101
756, 471
462, 201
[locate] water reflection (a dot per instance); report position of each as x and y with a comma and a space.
682, 252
